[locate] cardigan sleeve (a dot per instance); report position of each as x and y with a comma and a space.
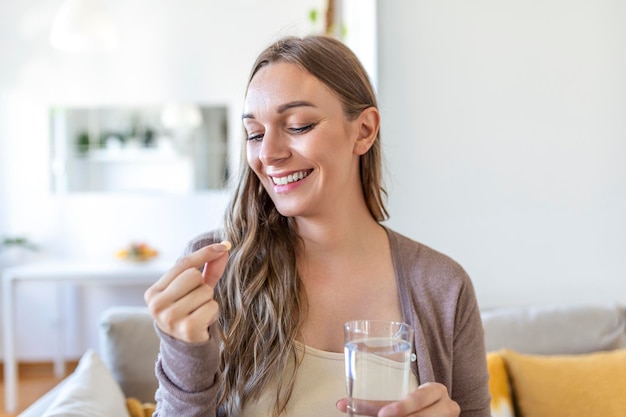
189, 381
470, 379
188, 373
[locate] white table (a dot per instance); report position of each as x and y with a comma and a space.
114, 273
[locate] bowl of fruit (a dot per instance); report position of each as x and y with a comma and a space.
137, 252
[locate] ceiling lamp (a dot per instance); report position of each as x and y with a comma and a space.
82, 25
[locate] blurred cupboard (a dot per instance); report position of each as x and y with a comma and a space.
175, 147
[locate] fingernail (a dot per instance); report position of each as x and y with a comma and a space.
223, 246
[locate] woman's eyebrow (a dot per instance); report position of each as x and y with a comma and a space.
283, 108
291, 105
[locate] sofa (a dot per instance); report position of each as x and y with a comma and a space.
543, 361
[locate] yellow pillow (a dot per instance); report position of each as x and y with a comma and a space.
585, 385
138, 409
501, 403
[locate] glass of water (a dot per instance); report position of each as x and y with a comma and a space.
378, 364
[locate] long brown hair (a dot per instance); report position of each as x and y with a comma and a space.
261, 295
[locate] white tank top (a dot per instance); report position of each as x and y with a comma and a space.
320, 383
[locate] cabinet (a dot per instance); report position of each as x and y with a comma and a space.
53, 278
176, 147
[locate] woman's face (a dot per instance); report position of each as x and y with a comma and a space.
299, 142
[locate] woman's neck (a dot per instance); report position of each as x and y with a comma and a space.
342, 231
334, 248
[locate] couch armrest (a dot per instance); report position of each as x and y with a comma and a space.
129, 347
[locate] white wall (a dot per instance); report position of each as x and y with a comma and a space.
504, 127
186, 50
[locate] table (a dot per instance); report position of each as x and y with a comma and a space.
114, 273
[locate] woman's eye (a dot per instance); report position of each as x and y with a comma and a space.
302, 129
255, 137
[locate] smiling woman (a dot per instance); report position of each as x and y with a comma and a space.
301, 128
241, 330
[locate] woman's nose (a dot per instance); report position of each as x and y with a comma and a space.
274, 147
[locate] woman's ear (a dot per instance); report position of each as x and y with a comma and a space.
367, 125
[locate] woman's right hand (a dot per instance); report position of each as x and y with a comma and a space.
181, 301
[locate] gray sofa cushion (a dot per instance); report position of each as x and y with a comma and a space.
556, 329
129, 346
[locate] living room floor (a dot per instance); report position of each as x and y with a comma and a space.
35, 379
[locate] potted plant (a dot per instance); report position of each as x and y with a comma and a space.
13, 249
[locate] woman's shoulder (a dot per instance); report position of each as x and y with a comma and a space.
405, 246
414, 258
431, 281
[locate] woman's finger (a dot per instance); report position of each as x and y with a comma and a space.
192, 300
186, 282
196, 260
429, 399
361, 407
181, 301
194, 327
189, 317
213, 271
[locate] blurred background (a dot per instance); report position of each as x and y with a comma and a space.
504, 134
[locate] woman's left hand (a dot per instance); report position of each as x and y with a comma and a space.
428, 400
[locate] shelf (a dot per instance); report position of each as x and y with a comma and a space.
130, 155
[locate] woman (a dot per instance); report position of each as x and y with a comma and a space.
258, 331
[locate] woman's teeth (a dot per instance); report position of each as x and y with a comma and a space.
297, 176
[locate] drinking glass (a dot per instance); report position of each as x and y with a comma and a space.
378, 364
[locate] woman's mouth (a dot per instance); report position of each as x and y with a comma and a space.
288, 179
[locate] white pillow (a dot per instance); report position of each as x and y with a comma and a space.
90, 391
